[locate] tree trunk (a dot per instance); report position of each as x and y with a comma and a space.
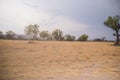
31, 40
117, 38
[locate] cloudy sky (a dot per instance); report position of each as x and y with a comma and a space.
71, 16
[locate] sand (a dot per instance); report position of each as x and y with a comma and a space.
59, 60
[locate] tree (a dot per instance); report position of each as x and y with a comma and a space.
83, 37
57, 34
68, 37
44, 35
114, 24
100, 39
1, 35
32, 30
10, 34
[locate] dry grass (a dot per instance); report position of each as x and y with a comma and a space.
50, 60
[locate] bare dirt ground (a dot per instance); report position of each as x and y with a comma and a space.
54, 60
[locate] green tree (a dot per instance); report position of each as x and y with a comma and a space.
32, 30
44, 35
114, 24
57, 34
68, 37
10, 34
83, 37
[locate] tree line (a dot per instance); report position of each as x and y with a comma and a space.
32, 32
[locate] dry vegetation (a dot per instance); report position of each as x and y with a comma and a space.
54, 60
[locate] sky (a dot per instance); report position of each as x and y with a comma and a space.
73, 17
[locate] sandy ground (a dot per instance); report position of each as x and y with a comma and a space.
54, 60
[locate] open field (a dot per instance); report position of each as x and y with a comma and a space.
54, 60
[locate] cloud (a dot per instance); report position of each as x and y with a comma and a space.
17, 15
74, 16
70, 25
